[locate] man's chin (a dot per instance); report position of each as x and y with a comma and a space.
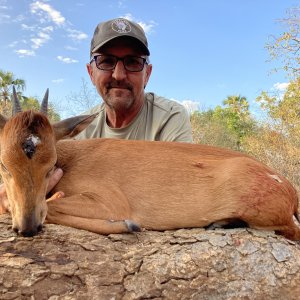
119, 99
117, 93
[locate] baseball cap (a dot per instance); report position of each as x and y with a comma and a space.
112, 29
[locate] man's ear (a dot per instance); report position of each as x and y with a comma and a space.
147, 75
72, 126
90, 70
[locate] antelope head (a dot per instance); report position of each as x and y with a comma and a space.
27, 160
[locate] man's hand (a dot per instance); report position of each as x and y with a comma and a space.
54, 179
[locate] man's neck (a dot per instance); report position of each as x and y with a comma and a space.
120, 119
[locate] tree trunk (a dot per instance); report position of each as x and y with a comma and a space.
66, 263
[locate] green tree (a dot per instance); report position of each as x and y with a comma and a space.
209, 130
226, 125
33, 103
235, 113
7, 81
286, 46
277, 142
284, 111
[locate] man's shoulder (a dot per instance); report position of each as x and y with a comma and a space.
98, 108
163, 104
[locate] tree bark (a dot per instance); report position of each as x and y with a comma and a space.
66, 263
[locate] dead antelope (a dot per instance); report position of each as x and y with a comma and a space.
116, 186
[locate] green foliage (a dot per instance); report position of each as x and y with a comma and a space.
228, 125
276, 150
207, 129
284, 111
7, 81
33, 103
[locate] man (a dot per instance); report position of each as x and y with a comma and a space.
120, 69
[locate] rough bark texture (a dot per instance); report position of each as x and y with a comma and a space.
65, 263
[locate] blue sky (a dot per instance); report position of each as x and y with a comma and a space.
201, 51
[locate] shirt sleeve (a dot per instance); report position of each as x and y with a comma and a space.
177, 127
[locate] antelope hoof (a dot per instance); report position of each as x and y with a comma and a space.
132, 227
56, 196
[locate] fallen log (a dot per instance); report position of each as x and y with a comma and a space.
67, 263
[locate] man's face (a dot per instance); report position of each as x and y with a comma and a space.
120, 89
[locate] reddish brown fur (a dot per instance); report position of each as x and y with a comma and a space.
169, 185
157, 185
28, 122
24, 178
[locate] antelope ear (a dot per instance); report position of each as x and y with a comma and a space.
3, 121
72, 126
44, 105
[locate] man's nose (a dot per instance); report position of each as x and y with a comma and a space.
119, 72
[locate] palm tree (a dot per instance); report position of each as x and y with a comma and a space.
7, 81
238, 116
237, 104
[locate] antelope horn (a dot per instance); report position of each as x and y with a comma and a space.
44, 105
16, 103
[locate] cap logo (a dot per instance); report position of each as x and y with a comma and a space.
121, 26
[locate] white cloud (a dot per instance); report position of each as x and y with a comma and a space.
13, 44
71, 48
128, 17
58, 80
4, 18
3, 5
47, 25
6, 15
41, 34
190, 105
42, 38
77, 35
67, 60
19, 18
148, 27
281, 86
46, 11
27, 27
35, 28
25, 52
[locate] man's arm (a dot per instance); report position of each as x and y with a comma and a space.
54, 179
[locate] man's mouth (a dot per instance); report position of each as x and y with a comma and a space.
119, 86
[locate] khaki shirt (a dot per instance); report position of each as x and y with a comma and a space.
159, 119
